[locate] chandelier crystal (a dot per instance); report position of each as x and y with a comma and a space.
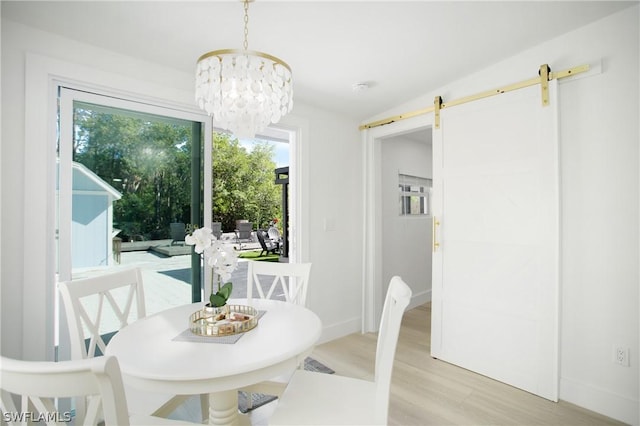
243, 90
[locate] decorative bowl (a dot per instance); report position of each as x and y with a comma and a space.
223, 321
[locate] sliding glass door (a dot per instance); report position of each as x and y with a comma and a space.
131, 179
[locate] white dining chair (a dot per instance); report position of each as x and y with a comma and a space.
114, 296
39, 384
329, 399
276, 280
292, 279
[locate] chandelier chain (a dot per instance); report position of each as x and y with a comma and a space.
246, 24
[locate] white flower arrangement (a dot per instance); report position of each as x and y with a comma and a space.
221, 258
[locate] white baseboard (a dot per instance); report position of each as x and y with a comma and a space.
601, 401
344, 328
419, 299
353, 325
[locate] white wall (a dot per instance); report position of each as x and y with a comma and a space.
30, 59
333, 206
599, 154
406, 240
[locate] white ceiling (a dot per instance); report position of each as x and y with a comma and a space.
401, 48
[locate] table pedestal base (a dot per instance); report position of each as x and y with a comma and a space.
223, 408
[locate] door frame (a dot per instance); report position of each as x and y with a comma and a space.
42, 77
292, 129
372, 285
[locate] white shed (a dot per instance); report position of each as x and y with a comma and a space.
92, 219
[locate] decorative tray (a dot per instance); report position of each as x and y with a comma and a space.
223, 321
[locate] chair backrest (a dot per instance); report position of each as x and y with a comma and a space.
293, 279
216, 229
84, 303
264, 240
395, 303
38, 383
178, 231
244, 230
274, 234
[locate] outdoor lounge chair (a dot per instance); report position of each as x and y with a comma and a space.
243, 233
268, 246
216, 228
178, 232
274, 235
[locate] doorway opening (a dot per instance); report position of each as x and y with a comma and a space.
397, 243
405, 189
246, 189
284, 177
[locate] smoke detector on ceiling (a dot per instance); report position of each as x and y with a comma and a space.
360, 87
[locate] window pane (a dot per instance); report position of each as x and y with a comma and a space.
414, 194
131, 198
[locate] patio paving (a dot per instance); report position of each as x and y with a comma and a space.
166, 279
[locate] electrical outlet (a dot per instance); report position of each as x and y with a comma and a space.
621, 356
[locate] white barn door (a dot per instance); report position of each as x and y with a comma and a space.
495, 264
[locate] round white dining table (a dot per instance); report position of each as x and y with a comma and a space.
153, 359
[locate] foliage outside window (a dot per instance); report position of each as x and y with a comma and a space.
145, 157
414, 195
148, 159
244, 183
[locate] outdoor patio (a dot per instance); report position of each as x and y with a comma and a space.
167, 277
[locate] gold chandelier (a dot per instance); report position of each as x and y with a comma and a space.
243, 90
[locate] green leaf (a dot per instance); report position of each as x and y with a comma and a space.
225, 290
216, 300
221, 297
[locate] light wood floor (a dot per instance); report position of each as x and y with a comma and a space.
426, 391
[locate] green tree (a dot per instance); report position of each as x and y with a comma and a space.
146, 159
243, 183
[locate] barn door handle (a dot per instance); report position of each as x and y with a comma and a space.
436, 244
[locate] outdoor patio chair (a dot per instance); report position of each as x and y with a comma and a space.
178, 232
216, 228
89, 303
40, 383
243, 233
268, 246
274, 234
325, 399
